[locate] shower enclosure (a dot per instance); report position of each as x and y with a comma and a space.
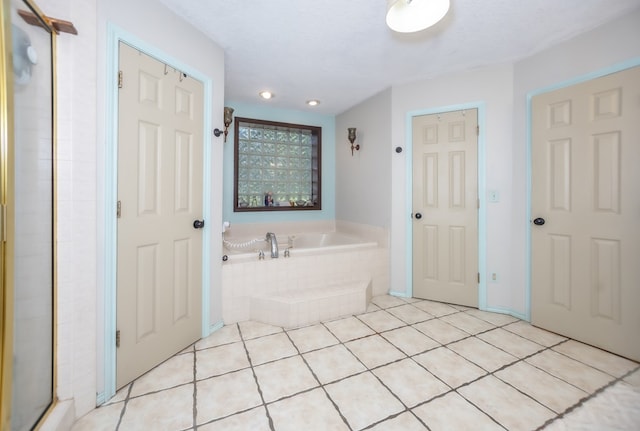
27, 215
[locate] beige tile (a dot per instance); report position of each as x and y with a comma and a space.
512, 409
251, 329
348, 329
333, 363
312, 338
374, 351
372, 307
171, 409
270, 348
452, 412
510, 342
386, 301
225, 335
103, 418
600, 359
381, 321
410, 341
541, 386
121, 395
254, 420
221, 360
497, 319
437, 309
468, 323
633, 379
175, 371
571, 371
410, 382
461, 307
310, 411
440, 331
537, 335
449, 367
283, 378
403, 422
225, 395
410, 314
483, 354
363, 400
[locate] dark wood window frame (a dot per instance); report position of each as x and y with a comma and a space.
268, 172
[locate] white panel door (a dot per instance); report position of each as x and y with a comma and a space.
445, 207
160, 175
585, 280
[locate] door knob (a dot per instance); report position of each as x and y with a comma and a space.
538, 221
418, 216
198, 224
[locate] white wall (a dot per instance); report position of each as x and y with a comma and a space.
363, 181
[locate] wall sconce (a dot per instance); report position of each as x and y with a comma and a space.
228, 119
352, 139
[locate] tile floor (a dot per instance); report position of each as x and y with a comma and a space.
403, 365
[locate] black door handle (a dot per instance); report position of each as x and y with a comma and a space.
198, 224
538, 221
418, 216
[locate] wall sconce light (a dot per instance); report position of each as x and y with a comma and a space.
352, 139
228, 119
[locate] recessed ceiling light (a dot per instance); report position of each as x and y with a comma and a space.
266, 94
313, 102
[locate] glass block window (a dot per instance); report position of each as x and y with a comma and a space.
277, 166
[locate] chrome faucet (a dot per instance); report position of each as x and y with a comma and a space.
271, 237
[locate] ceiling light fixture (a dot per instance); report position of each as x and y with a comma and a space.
408, 16
266, 94
313, 102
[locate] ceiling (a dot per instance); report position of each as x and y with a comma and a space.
341, 52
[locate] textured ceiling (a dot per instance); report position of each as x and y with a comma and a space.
341, 52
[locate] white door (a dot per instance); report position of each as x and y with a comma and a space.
160, 175
445, 207
585, 280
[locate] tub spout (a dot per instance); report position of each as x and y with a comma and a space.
271, 238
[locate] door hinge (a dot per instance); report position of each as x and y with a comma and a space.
120, 79
477, 130
3, 223
119, 209
478, 278
118, 338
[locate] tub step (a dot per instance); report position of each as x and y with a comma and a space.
301, 307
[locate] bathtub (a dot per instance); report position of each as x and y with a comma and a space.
324, 276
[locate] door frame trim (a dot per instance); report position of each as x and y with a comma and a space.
115, 35
634, 62
482, 211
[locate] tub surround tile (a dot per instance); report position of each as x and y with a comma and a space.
284, 378
509, 407
363, 400
596, 358
270, 348
452, 412
221, 360
410, 341
410, 382
311, 411
571, 371
550, 391
333, 363
374, 351
381, 321
312, 338
442, 332
348, 329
